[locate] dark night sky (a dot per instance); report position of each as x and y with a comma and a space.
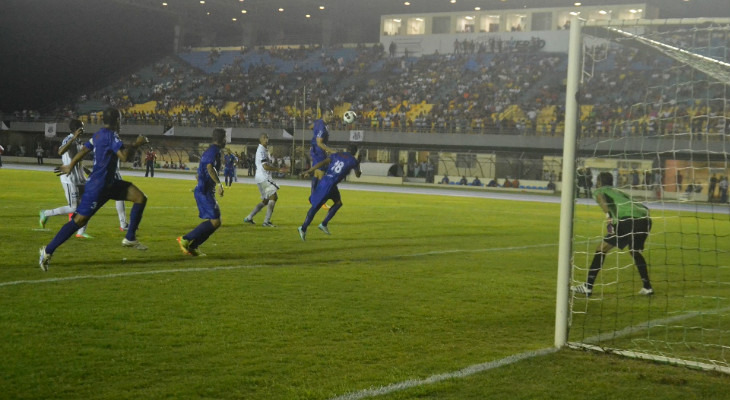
54, 50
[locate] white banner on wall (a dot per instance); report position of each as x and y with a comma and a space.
357, 136
51, 130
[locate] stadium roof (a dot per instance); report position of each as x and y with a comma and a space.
279, 20
52, 49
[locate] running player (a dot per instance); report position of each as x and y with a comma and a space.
73, 183
629, 225
266, 184
102, 185
319, 149
338, 166
208, 180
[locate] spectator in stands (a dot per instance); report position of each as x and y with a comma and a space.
723, 185
476, 181
150, 159
516, 183
507, 183
463, 181
444, 180
39, 154
493, 183
588, 183
551, 185
711, 188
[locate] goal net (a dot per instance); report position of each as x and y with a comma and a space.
651, 108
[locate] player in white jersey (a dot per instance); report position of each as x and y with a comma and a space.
266, 184
73, 183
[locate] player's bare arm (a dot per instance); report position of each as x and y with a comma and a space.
327, 149
125, 152
316, 166
214, 176
63, 149
66, 169
268, 167
601, 200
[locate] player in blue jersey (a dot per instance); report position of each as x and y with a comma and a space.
319, 150
208, 180
102, 185
229, 168
338, 166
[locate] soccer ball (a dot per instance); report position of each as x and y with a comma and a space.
349, 117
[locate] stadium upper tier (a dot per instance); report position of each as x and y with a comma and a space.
477, 90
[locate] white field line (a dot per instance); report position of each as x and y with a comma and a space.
235, 267
473, 369
470, 370
462, 373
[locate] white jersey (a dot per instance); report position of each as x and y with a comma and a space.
76, 176
262, 157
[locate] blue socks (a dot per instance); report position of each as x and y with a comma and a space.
135, 217
66, 231
331, 213
200, 234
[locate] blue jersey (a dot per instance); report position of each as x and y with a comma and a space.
230, 161
211, 156
105, 144
340, 166
319, 131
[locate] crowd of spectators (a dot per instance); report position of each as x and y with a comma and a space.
479, 88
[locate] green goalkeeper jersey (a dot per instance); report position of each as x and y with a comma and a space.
621, 205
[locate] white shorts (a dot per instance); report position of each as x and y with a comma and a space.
267, 188
73, 193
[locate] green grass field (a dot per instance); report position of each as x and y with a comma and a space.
408, 288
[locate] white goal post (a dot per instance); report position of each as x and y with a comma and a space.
675, 126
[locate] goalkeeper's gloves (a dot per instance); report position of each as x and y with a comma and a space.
610, 228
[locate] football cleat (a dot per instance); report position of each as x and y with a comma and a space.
248, 220
302, 234
325, 206
43, 219
324, 229
133, 244
185, 247
84, 235
44, 259
646, 292
582, 289
269, 224
124, 227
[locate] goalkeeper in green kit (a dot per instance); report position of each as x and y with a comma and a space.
629, 225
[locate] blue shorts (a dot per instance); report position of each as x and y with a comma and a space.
96, 195
207, 205
326, 189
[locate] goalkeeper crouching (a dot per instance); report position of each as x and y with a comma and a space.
629, 225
